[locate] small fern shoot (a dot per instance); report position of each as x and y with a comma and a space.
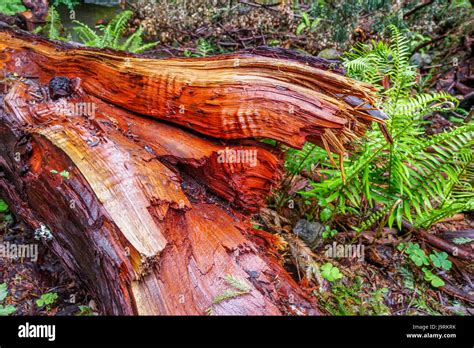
111, 35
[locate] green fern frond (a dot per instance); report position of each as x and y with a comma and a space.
145, 47
370, 220
439, 101
88, 36
463, 240
53, 27
134, 43
111, 35
114, 30
11, 7
299, 160
428, 219
431, 176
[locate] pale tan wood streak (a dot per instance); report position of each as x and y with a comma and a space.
114, 179
121, 179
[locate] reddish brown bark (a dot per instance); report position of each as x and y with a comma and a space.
146, 214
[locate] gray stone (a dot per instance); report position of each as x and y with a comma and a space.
309, 232
421, 59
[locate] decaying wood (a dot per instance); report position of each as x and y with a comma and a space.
139, 203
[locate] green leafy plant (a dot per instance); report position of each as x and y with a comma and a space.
53, 27
85, 311
376, 300
111, 35
420, 178
417, 255
462, 240
10, 7
5, 215
69, 3
433, 279
3, 206
347, 300
325, 214
420, 259
203, 49
307, 24
5, 310
47, 300
329, 232
440, 260
330, 272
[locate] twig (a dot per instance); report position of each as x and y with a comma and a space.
442, 244
429, 42
417, 8
451, 290
267, 7
469, 117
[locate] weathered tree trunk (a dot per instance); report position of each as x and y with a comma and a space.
143, 171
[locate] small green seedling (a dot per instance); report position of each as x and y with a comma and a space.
240, 287
328, 232
325, 214
330, 272
440, 260
8, 309
47, 300
3, 206
433, 279
417, 255
85, 311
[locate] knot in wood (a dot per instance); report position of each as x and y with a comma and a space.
59, 87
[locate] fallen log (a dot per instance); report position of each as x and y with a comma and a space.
141, 174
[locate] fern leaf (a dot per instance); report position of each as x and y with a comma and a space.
86, 34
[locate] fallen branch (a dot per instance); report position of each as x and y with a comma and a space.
417, 8
450, 248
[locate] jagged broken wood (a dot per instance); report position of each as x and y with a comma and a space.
146, 171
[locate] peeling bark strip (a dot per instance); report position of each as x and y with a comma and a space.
151, 216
